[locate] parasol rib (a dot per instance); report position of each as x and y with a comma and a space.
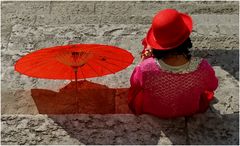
93, 69
105, 67
41, 66
112, 64
112, 58
43, 57
82, 73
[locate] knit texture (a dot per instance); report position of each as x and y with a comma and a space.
166, 94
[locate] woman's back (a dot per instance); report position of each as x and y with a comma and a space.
169, 91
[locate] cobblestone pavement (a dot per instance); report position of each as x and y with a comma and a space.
29, 26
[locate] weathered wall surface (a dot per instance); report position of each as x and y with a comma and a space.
28, 26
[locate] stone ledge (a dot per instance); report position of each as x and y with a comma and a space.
208, 128
115, 8
91, 129
212, 129
65, 19
24, 36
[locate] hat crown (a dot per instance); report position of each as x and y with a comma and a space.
165, 17
168, 27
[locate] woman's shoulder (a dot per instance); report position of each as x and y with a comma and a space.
148, 61
148, 64
204, 63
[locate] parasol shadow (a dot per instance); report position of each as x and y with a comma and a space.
92, 98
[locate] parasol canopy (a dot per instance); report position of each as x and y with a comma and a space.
77, 61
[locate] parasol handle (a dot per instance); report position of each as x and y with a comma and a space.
75, 69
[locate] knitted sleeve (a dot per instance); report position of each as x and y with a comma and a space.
211, 79
135, 91
211, 84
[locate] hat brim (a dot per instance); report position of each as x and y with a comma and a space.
153, 43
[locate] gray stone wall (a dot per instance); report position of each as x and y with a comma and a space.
29, 26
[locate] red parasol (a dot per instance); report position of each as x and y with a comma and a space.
78, 61
87, 60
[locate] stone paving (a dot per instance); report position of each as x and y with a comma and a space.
29, 26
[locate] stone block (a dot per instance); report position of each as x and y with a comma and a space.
211, 129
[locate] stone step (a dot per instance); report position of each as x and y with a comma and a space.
56, 19
118, 8
214, 129
118, 129
128, 12
127, 36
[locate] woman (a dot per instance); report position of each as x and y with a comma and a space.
169, 82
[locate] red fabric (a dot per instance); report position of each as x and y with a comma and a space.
135, 94
169, 29
144, 43
171, 95
92, 60
205, 99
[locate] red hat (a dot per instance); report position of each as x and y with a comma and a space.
169, 29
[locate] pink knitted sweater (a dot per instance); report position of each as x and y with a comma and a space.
166, 94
